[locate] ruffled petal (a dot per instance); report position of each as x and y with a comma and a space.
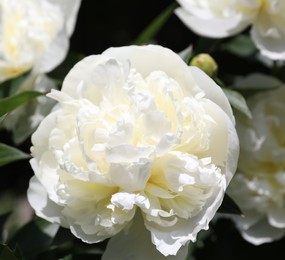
212, 91
141, 247
96, 76
262, 232
54, 55
269, 38
159, 59
169, 239
43, 206
213, 27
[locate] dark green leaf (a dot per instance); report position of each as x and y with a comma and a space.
229, 206
6, 253
89, 251
67, 257
2, 118
11, 86
237, 101
10, 154
187, 54
18, 253
62, 236
35, 237
191, 250
10, 103
206, 45
148, 34
240, 45
3, 219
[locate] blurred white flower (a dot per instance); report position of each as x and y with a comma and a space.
139, 142
23, 121
218, 19
34, 35
259, 184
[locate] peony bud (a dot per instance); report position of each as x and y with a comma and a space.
206, 63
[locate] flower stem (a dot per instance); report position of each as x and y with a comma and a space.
153, 28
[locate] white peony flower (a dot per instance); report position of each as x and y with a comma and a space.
218, 19
139, 142
34, 34
259, 185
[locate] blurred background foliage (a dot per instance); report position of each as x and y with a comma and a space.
100, 25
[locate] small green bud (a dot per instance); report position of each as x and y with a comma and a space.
206, 63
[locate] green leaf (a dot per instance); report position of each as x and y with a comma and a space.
35, 237
206, 45
6, 253
3, 219
10, 103
88, 251
67, 257
229, 206
10, 154
11, 86
191, 249
62, 236
18, 253
240, 45
237, 101
186, 54
148, 34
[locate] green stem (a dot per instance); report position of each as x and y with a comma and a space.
191, 249
153, 28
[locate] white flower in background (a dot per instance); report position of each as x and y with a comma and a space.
259, 184
139, 142
23, 121
218, 19
34, 35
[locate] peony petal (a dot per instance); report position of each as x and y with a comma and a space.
43, 206
212, 91
58, 49
96, 76
41, 137
130, 177
54, 55
218, 144
213, 27
261, 233
276, 217
70, 10
141, 247
268, 38
159, 59
233, 151
95, 225
169, 240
